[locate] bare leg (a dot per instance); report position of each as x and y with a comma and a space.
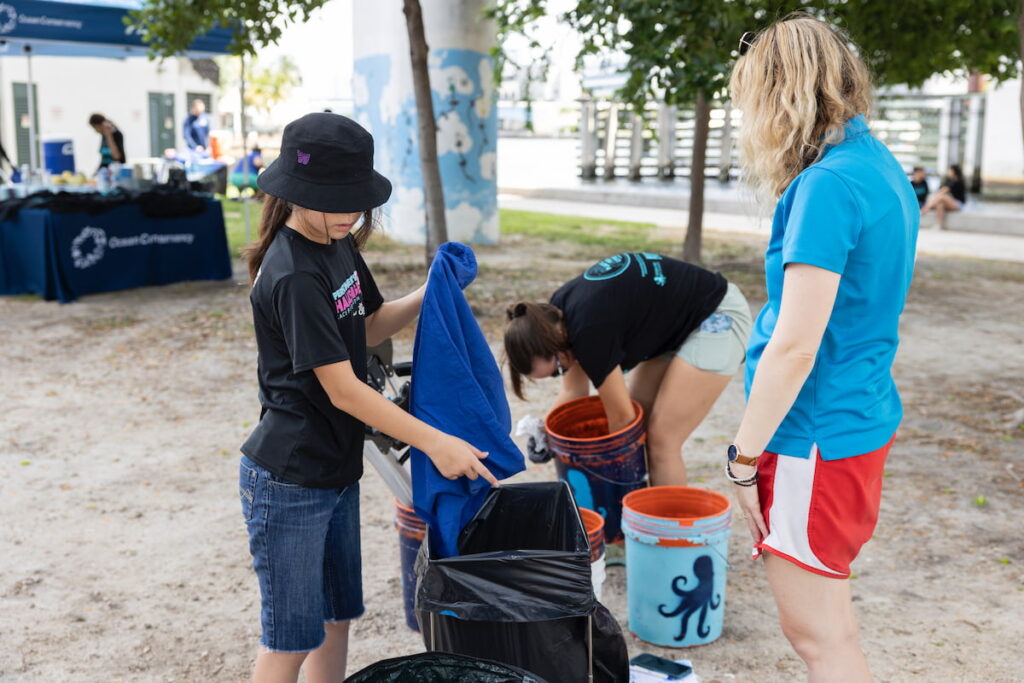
645, 380
940, 216
327, 663
817, 617
944, 204
278, 667
684, 400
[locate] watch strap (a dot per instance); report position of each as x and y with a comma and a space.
741, 459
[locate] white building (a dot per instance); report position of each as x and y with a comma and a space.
147, 100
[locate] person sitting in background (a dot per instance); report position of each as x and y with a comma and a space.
919, 181
197, 127
111, 141
950, 197
254, 160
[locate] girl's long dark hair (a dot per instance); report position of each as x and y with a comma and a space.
534, 331
275, 213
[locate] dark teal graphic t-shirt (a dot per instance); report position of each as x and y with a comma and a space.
631, 307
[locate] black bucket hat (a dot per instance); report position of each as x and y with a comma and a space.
326, 164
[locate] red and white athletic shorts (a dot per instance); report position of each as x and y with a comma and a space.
819, 512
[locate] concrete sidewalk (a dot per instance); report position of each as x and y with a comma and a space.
930, 241
545, 169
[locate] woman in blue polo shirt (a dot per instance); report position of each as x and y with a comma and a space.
822, 407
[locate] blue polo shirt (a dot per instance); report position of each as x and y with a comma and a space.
853, 213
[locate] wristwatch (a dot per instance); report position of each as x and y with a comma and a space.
738, 458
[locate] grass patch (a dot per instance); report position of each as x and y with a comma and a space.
739, 260
234, 221
591, 232
549, 227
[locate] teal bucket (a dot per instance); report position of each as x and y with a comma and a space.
677, 539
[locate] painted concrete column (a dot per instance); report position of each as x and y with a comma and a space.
462, 80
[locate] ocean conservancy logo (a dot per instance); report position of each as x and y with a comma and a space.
92, 243
608, 268
87, 248
8, 18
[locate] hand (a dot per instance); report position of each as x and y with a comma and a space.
455, 458
750, 503
107, 127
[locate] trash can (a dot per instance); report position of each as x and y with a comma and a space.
441, 667
520, 590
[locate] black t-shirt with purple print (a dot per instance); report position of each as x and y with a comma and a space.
309, 305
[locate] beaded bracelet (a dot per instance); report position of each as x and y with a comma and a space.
749, 481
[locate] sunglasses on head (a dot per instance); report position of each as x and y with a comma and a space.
746, 42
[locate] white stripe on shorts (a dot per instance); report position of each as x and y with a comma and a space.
790, 511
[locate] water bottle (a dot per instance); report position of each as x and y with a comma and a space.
103, 179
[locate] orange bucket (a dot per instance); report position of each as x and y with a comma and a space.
594, 524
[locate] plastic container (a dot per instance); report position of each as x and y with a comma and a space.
593, 524
411, 530
59, 156
600, 467
677, 540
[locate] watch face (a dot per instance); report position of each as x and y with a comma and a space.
733, 453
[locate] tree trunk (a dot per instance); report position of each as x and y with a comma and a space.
1020, 37
433, 191
702, 119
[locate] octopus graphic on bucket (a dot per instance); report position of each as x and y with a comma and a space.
601, 468
677, 540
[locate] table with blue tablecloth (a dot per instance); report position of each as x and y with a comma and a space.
63, 256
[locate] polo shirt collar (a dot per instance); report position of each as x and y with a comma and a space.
854, 128
858, 125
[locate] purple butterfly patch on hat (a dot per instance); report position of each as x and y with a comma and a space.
303, 157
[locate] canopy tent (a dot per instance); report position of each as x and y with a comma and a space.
86, 28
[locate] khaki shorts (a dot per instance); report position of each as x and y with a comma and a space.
719, 345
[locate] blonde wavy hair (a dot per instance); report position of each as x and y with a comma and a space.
797, 86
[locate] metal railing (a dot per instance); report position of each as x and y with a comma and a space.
617, 141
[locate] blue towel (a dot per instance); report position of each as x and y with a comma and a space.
456, 387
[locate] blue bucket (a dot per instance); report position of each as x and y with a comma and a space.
59, 156
411, 530
677, 539
601, 468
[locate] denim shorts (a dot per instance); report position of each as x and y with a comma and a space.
305, 550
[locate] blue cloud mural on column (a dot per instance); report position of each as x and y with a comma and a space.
462, 84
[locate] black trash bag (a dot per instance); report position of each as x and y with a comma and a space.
520, 592
441, 667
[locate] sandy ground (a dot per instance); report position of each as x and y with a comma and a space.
123, 555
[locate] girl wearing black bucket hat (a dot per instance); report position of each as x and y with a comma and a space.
315, 309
